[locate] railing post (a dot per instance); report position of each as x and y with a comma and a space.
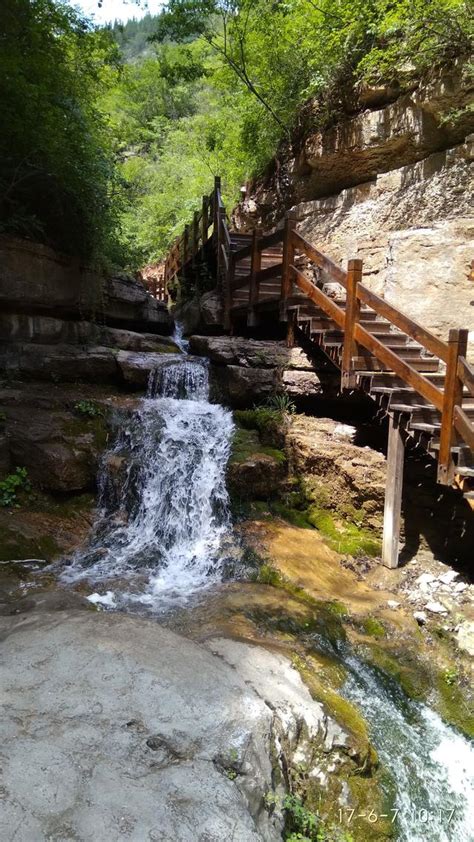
228, 281
288, 259
217, 190
453, 386
186, 244
255, 266
195, 244
205, 218
354, 276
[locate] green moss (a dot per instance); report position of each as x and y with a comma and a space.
344, 537
293, 515
453, 704
373, 627
402, 666
246, 444
269, 423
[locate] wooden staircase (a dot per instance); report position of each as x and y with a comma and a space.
423, 384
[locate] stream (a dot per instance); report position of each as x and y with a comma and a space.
163, 535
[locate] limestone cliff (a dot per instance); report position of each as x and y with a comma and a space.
392, 185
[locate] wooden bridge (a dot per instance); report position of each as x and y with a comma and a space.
424, 384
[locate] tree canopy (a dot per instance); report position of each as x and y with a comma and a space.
111, 135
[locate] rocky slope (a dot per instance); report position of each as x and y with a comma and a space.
391, 185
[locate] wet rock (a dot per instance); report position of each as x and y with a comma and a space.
59, 450
135, 367
228, 700
242, 387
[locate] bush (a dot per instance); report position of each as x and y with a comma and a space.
11, 485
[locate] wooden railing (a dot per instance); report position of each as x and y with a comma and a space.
455, 424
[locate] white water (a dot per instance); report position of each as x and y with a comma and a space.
159, 537
431, 764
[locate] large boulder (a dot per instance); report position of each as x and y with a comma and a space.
60, 450
249, 353
176, 741
335, 472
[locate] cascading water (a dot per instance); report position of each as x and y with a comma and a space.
161, 532
432, 766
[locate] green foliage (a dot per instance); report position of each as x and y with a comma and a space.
282, 403
218, 85
11, 485
89, 408
57, 180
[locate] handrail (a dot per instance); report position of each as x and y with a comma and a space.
211, 224
466, 374
369, 341
319, 258
464, 426
411, 328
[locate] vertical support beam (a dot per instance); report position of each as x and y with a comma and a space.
186, 244
354, 277
393, 495
453, 386
217, 192
255, 266
288, 259
291, 329
205, 218
228, 281
195, 245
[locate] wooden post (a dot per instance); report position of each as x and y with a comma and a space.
288, 259
186, 244
195, 233
255, 266
217, 191
354, 276
205, 218
291, 329
228, 281
453, 386
393, 495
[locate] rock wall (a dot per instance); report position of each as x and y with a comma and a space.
391, 185
37, 282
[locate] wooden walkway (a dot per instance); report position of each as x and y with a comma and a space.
424, 384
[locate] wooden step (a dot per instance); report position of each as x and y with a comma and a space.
372, 364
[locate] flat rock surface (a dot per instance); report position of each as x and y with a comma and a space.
115, 727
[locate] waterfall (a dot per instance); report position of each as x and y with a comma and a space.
162, 525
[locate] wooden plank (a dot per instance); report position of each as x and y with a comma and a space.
399, 366
287, 262
407, 325
319, 258
354, 275
453, 387
228, 291
393, 495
